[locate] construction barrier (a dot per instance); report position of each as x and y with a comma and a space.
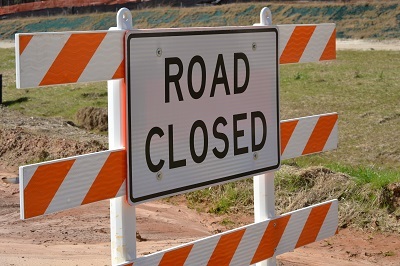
69, 57
44, 59
253, 243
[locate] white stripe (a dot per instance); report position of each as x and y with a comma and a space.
153, 259
292, 231
201, 252
318, 41
331, 222
300, 137
27, 172
285, 32
38, 57
332, 141
122, 190
78, 181
249, 244
106, 59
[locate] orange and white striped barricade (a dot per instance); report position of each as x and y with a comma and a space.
252, 243
44, 59
58, 185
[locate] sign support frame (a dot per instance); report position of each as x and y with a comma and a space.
300, 138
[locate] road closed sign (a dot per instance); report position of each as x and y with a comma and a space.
203, 108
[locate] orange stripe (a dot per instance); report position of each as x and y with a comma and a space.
226, 248
73, 58
23, 42
297, 44
120, 73
320, 134
313, 225
176, 257
270, 239
287, 129
330, 48
109, 180
43, 186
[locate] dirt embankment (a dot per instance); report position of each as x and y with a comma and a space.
25, 140
354, 20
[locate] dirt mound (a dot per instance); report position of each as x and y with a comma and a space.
298, 188
93, 118
18, 147
25, 140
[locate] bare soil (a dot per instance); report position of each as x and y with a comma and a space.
81, 236
364, 45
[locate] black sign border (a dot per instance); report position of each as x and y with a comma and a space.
184, 32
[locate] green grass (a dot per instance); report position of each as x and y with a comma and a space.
378, 178
223, 199
363, 87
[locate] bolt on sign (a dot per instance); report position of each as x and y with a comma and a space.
202, 108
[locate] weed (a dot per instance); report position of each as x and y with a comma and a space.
389, 253
298, 76
381, 76
378, 178
227, 222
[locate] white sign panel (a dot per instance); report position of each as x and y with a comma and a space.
202, 108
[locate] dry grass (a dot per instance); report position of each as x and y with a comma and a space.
360, 206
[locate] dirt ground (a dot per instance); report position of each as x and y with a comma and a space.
341, 44
81, 236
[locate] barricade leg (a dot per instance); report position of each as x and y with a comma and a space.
122, 215
264, 204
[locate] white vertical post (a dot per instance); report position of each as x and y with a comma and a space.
122, 215
264, 190
264, 204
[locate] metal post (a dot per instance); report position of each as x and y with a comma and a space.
264, 191
122, 215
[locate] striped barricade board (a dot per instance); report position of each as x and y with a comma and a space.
44, 59
62, 184
255, 242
